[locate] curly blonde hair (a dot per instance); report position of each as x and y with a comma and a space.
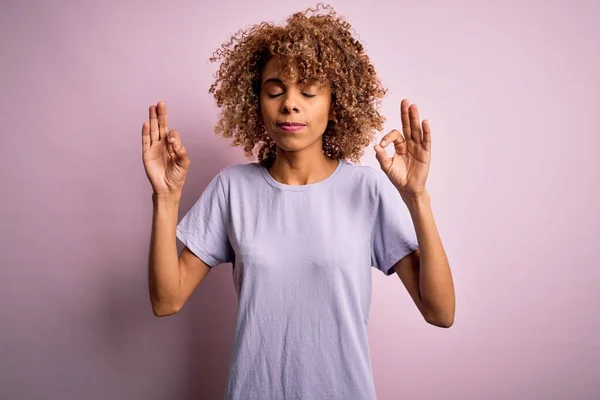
322, 49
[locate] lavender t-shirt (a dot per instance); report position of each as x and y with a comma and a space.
302, 258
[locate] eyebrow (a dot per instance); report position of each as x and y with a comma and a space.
278, 80
274, 80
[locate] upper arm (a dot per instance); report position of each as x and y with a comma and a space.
192, 271
407, 270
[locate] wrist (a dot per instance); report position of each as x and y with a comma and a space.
166, 197
416, 201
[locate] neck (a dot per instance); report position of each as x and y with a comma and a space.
301, 168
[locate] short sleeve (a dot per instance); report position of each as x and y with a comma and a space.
393, 236
204, 229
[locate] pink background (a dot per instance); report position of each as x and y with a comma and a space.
512, 92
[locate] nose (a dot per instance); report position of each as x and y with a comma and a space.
289, 103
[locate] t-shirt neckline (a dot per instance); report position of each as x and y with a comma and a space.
300, 188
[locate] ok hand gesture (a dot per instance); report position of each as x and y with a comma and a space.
165, 159
409, 166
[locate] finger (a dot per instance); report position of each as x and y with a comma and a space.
178, 148
393, 136
153, 125
400, 146
161, 109
145, 136
384, 160
171, 137
426, 135
171, 151
415, 126
404, 105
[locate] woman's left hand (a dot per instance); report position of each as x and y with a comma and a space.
409, 167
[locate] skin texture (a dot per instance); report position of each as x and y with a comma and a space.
299, 155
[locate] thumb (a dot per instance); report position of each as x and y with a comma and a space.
384, 160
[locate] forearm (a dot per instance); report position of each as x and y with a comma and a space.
163, 260
435, 279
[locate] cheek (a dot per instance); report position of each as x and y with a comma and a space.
263, 114
266, 109
323, 112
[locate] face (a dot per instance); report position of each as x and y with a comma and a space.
295, 114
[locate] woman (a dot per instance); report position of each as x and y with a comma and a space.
302, 226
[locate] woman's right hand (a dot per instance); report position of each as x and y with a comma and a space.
165, 159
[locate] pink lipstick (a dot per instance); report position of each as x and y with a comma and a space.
291, 126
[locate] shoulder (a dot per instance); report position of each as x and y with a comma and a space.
236, 171
372, 184
239, 176
365, 176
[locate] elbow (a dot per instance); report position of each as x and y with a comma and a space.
440, 315
162, 309
441, 321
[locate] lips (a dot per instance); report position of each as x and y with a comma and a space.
290, 124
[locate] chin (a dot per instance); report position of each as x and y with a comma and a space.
288, 143
290, 148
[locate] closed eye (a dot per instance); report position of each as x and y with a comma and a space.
272, 96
